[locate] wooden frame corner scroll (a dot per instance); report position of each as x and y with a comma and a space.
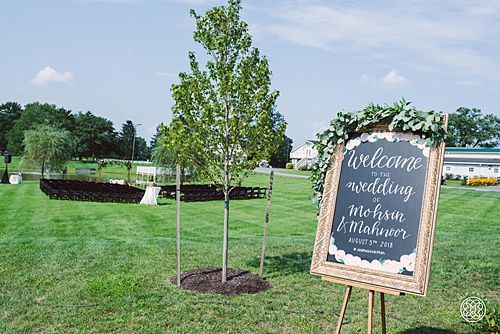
379, 207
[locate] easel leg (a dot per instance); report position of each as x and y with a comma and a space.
370, 303
344, 307
382, 311
370, 310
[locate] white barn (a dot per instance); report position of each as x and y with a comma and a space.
472, 162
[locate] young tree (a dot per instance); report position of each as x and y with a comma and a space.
46, 147
469, 128
224, 120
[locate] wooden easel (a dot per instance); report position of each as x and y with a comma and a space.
371, 298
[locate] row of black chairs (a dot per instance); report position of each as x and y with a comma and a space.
205, 192
90, 191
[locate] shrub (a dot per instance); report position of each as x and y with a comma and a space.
483, 181
305, 167
289, 165
490, 323
465, 181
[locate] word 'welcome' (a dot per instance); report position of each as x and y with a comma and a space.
379, 160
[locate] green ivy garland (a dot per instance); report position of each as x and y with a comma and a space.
400, 116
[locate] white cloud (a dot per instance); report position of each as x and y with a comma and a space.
365, 78
166, 74
48, 75
195, 2
151, 130
448, 36
317, 128
336, 26
392, 80
112, 1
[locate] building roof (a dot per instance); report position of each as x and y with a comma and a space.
472, 161
310, 142
473, 150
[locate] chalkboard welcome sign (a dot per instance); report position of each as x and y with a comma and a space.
378, 212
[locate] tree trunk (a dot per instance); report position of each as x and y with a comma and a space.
226, 222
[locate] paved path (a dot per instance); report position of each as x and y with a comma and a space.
280, 172
489, 188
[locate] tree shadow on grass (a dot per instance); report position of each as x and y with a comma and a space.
285, 264
427, 330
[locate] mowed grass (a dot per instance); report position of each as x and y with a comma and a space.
84, 267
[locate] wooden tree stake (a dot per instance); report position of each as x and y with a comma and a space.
266, 224
178, 200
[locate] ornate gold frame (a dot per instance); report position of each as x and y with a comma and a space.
373, 279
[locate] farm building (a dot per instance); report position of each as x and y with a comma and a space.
472, 162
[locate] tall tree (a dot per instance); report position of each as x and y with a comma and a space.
155, 138
9, 113
469, 128
282, 156
33, 115
224, 120
142, 151
129, 142
95, 136
47, 148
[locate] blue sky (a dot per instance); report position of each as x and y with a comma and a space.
118, 58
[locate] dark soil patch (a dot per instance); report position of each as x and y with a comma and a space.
209, 280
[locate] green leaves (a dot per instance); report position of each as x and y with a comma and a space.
224, 117
47, 148
400, 116
469, 128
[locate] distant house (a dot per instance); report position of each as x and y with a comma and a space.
472, 162
304, 154
458, 161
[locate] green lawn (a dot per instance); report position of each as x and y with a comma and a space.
454, 183
85, 267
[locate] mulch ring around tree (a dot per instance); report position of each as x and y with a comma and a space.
209, 280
